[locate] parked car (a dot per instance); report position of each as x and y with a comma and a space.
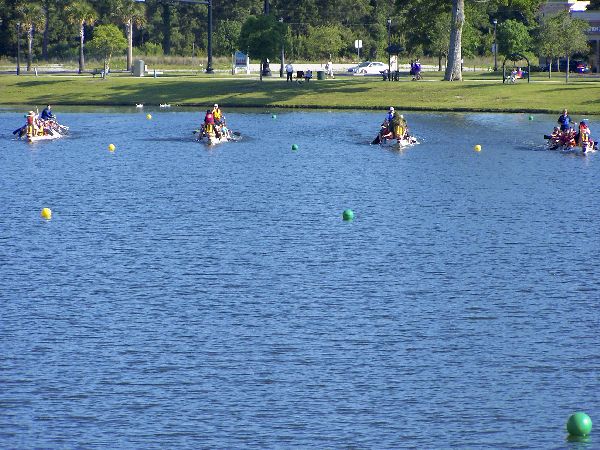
575, 65
579, 66
353, 69
368, 68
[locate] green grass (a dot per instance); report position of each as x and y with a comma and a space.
488, 94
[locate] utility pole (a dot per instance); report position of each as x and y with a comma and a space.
495, 21
18, 48
389, 27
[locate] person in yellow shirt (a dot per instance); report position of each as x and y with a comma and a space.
217, 114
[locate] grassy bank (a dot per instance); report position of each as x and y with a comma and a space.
581, 97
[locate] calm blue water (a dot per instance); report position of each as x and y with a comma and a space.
186, 297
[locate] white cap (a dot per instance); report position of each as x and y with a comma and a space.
216, 106
391, 108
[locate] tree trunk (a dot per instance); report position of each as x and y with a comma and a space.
129, 44
440, 62
46, 30
453, 69
81, 56
567, 70
29, 47
166, 29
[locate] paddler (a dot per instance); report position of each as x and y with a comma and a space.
386, 131
30, 123
209, 122
217, 114
583, 137
399, 126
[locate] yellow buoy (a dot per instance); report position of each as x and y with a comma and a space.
46, 213
477, 148
111, 147
148, 116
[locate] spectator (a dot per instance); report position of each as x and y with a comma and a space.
329, 69
289, 70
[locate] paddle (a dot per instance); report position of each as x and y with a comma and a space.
546, 136
18, 130
377, 140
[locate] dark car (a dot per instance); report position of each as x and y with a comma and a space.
578, 66
575, 65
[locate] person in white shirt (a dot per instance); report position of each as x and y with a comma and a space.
329, 69
289, 69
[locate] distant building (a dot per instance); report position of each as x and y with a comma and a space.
577, 8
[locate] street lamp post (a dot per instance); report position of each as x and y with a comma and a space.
18, 48
389, 27
209, 68
282, 55
495, 21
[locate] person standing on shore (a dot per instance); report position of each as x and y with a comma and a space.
289, 70
329, 69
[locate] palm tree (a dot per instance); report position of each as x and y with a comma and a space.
31, 16
129, 13
81, 13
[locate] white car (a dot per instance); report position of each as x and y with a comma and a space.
369, 68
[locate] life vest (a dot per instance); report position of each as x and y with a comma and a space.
208, 128
29, 120
209, 118
217, 114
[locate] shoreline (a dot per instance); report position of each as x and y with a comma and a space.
580, 97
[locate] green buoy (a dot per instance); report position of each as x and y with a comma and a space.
579, 424
348, 214
530, 117
274, 116
294, 146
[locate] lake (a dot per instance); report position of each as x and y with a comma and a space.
192, 297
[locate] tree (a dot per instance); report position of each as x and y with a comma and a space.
107, 40
570, 35
46, 6
129, 13
226, 36
513, 37
323, 41
262, 37
440, 37
454, 67
32, 17
80, 13
548, 42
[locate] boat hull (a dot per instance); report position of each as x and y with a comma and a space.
401, 143
45, 137
575, 150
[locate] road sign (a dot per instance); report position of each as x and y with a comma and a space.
358, 43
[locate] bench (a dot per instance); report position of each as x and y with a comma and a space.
97, 72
